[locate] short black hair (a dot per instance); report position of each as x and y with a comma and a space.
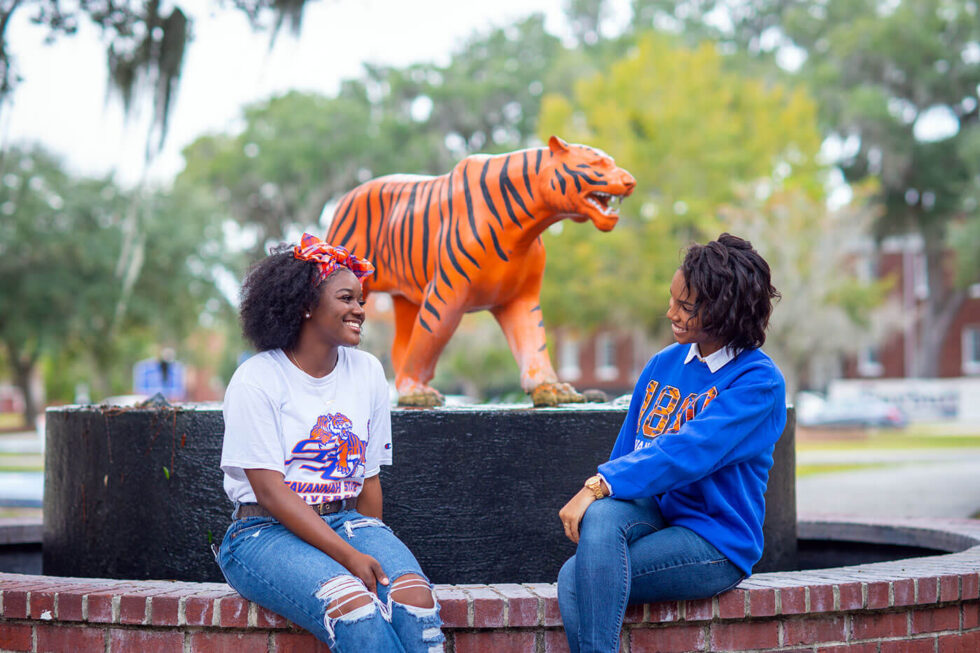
277, 292
733, 290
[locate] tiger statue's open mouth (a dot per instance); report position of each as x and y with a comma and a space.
606, 203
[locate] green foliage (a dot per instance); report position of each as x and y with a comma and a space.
93, 276
690, 132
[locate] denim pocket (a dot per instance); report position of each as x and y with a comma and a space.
248, 527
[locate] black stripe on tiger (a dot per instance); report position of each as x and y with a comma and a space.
486, 198
537, 162
429, 307
424, 325
561, 181
576, 174
496, 245
450, 228
425, 229
507, 186
353, 224
527, 178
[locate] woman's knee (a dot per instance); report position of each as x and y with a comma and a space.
412, 590
346, 597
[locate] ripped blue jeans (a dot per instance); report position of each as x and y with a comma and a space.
266, 563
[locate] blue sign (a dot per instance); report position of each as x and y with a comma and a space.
152, 375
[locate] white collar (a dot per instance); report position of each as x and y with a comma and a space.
714, 361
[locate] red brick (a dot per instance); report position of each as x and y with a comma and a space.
488, 607
298, 643
198, 611
165, 609
731, 605
100, 607
77, 639
960, 643
970, 586
927, 590
232, 612
496, 641
971, 615
927, 645
664, 612
876, 626
813, 631
878, 595
221, 642
132, 609
268, 619
744, 636
869, 647
904, 592
931, 621
15, 604
548, 593
634, 614
792, 600
762, 602
555, 641
69, 606
42, 602
675, 639
851, 596
453, 608
149, 641
15, 637
700, 610
949, 588
522, 605
821, 598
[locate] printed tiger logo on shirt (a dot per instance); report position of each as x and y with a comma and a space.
333, 449
665, 412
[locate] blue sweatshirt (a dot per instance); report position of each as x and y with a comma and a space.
701, 442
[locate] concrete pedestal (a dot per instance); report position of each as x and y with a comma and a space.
474, 492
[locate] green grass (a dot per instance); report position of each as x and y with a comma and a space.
911, 439
813, 470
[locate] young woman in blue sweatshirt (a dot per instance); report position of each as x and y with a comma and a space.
677, 511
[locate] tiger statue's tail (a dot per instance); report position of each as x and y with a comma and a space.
469, 240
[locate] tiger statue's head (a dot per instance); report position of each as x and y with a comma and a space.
584, 183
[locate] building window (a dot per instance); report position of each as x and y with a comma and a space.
869, 362
606, 368
971, 349
568, 355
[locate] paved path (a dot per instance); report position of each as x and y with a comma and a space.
914, 483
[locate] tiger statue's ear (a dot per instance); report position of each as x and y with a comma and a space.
557, 145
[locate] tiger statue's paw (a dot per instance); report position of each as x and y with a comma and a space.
552, 394
423, 397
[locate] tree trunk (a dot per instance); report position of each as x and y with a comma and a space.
941, 306
23, 371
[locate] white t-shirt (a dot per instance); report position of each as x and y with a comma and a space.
325, 435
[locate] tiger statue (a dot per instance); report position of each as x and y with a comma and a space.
471, 240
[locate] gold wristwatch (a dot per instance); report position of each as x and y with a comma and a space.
594, 483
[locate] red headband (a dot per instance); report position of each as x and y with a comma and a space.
330, 257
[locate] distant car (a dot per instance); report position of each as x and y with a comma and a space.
860, 411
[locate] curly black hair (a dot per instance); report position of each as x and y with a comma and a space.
733, 291
276, 293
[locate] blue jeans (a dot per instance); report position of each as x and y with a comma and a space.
627, 553
266, 563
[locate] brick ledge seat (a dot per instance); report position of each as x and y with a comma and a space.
905, 606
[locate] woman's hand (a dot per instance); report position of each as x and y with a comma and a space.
366, 568
571, 515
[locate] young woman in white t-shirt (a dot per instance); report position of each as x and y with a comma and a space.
307, 428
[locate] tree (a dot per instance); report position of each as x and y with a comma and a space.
64, 279
299, 151
897, 84
145, 42
826, 310
691, 133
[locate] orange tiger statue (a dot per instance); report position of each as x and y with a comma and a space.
470, 240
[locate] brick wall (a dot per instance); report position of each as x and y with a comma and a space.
923, 604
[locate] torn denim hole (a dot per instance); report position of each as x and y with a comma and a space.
403, 583
349, 526
345, 589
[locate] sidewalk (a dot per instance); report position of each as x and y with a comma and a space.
21, 489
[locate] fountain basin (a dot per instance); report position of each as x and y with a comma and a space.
928, 603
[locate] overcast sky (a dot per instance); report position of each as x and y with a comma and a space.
62, 100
